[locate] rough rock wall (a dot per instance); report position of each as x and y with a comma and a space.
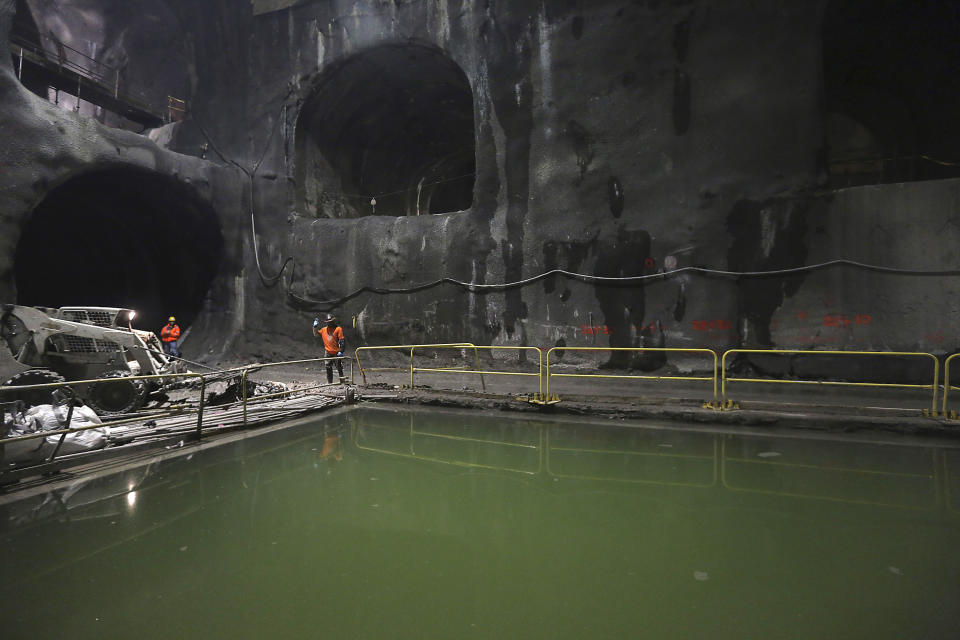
46, 147
610, 137
613, 138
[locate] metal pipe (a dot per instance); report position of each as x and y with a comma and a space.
946, 380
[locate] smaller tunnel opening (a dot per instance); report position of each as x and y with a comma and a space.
120, 238
393, 124
892, 91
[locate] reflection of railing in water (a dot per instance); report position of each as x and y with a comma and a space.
864, 479
950, 497
410, 449
709, 480
701, 463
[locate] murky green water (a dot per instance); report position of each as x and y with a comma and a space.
399, 524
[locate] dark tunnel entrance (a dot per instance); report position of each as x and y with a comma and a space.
120, 238
394, 123
892, 90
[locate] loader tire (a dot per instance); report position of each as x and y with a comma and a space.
113, 397
32, 397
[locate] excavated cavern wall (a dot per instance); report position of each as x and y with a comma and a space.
57, 167
611, 138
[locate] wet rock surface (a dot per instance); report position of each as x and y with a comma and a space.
612, 139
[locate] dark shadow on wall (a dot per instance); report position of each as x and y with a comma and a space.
892, 90
395, 124
121, 238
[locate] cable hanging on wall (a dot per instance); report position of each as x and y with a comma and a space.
592, 279
305, 303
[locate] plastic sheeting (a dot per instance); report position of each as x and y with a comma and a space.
47, 417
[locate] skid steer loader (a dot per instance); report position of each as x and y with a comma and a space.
41, 345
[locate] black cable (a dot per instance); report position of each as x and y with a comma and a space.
309, 303
267, 280
487, 288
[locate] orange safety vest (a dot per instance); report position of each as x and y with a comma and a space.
331, 339
169, 334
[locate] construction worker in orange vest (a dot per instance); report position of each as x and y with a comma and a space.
170, 336
333, 341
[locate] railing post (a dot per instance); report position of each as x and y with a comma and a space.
203, 394
546, 390
936, 382
243, 394
20, 66
723, 377
476, 357
946, 381
411, 367
116, 85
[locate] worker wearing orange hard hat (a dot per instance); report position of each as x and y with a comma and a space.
333, 342
170, 336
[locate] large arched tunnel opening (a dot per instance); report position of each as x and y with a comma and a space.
394, 124
121, 238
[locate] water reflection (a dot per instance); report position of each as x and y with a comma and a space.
503, 445
914, 476
449, 524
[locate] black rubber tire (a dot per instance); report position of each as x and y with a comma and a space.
32, 397
116, 397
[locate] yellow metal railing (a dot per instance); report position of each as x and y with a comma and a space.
936, 371
946, 384
269, 396
707, 352
538, 374
363, 372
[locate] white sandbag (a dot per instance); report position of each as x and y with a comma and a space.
45, 417
51, 417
